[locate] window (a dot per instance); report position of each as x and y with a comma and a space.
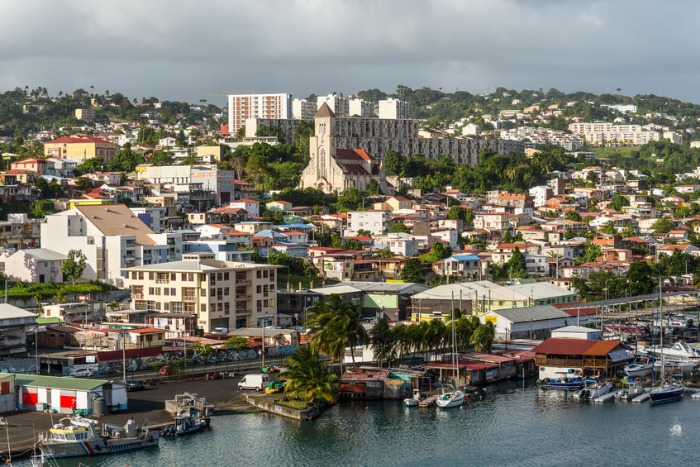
258, 289
272, 276
203, 307
173, 276
226, 291
225, 276
265, 274
258, 274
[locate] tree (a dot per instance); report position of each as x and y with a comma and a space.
618, 201
572, 216
399, 227
74, 266
84, 184
237, 343
382, 341
639, 278
663, 225
516, 265
457, 212
483, 337
41, 208
335, 324
308, 378
412, 271
393, 163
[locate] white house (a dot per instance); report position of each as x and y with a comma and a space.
250, 205
34, 265
376, 222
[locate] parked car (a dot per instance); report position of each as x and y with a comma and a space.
255, 381
134, 386
81, 373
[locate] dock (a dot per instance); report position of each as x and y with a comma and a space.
428, 401
606, 397
642, 397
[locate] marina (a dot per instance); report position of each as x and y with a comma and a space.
385, 432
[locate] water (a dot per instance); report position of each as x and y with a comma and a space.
510, 427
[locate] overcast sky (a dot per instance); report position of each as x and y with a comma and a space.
192, 50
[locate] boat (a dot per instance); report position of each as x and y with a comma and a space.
641, 366
75, 436
678, 352
592, 390
186, 425
450, 399
667, 392
415, 400
566, 383
632, 389
276, 386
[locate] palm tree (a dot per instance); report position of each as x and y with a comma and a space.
308, 377
482, 339
335, 324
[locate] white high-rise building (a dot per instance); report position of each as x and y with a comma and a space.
339, 105
393, 109
303, 109
242, 106
361, 108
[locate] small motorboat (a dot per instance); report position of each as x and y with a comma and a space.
632, 388
592, 390
450, 399
415, 400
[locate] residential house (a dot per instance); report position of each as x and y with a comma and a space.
34, 265
533, 322
14, 326
375, 222
80, 148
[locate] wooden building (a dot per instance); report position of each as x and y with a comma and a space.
557, 357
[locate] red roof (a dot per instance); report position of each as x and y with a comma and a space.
560, 346
353, 154
245, 200
145, 330
80, 139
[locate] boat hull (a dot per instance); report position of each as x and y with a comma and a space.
454, 399
98, 448
411, 402
666, 394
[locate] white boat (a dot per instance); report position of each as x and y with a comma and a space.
593, 389
415, 400
678, 352
641, 366
632, 389
77, 436
450, 399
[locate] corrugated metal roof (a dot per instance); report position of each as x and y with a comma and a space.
540, 290
561, 346
530, 313
8, 311
60, 382
468, 290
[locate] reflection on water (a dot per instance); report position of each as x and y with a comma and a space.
508, 425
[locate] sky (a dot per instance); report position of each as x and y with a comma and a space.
205, 49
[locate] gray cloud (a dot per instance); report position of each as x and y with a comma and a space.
185, 50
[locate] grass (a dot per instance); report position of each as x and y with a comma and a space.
625, 151
279, 400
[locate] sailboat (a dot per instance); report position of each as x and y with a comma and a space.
667, 392
455, 398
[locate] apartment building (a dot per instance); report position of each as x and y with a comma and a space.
392, 109
303, 109
80, 148
112, 238
339, 105
222, 294
243, 106
360, 108
200, 185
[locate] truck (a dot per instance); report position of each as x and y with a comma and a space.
257, 381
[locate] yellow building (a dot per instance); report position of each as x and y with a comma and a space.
80, 147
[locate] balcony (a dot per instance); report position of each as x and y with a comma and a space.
162, 281
137, 295
189, 298
243, 282
243, 296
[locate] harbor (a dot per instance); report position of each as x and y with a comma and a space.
489, 432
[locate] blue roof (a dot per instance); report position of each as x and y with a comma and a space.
296, 226
269, 233
465, 258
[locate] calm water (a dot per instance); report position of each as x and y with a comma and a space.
510, 426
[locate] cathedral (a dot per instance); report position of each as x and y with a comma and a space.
334, 170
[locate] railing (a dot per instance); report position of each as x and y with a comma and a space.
189, 298
243, 296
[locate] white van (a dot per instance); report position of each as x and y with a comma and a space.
257, 381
